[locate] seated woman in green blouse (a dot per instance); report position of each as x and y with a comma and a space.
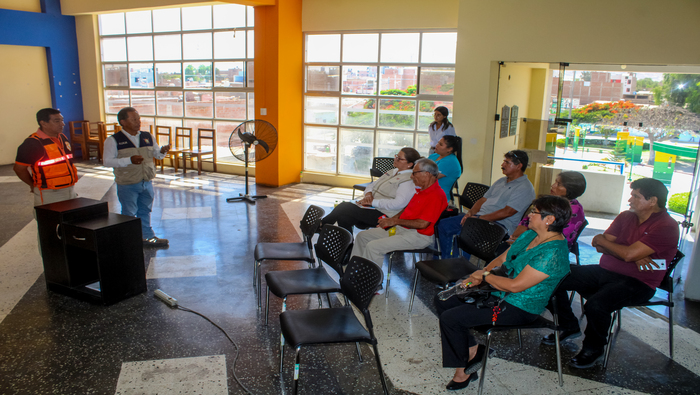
535, 264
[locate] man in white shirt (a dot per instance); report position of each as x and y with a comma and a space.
130, 152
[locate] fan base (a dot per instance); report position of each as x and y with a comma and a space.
245, 198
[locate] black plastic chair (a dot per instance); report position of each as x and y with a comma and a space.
427, 250
360, 280
478, 237
332, 248
574, 249
539, 323
301, 251
666, 285
380, 165
472, 192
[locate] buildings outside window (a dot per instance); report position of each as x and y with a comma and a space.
190, 67
370, 94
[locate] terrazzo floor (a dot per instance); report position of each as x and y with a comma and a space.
50, 343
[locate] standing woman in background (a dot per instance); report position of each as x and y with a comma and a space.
440, 127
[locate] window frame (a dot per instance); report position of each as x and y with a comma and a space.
340, 95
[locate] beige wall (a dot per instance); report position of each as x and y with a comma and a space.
546, 31
25, 90
21, 5
336, 15
514, 90
86, 28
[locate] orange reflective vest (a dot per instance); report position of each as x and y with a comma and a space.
55, 170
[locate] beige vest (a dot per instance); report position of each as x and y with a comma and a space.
132, 174
385, 188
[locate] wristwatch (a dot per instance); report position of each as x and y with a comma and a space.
486, 273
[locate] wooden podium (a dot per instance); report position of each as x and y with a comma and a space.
90, 253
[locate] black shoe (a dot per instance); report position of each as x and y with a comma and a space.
475, 363
563, 336
586, 359
453, 385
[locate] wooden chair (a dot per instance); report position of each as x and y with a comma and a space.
106, 130
183, 143
76, 135
199, 152
164, 132
91, 137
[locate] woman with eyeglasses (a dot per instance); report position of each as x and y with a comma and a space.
386, 196
570, 185
441, 126
535, 265
445, 156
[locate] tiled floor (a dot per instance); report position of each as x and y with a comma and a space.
50, 343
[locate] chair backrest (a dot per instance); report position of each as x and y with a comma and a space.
310, 222
481, 238
574, 246
667, 282
332, 246
472, 192
209, 137
183, 138
76, 131
383, 164
92, 132
360, 282
162, 131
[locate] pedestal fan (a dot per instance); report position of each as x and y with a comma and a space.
259, 135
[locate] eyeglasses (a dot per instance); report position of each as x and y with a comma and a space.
398, 158
419, 171
533, 211
513, 154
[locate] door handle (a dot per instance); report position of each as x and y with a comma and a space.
58, 234
79, 238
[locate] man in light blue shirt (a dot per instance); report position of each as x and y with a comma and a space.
504, 203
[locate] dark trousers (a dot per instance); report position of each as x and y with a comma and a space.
456, 320
605, 292
348, 214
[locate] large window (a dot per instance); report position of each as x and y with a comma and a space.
371, 94
190, 67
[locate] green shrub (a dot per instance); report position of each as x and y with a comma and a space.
561, 142
679, 202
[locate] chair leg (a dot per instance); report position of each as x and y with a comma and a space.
267, 305
379, 367
281, 355
359, 353
284, 308
489, 335
670, 331
259, 288
388, 276
413, 293
520, 338
611, 337
320, 301
328, 299
255, 274
558, 347
296, 370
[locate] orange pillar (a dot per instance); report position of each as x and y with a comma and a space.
278, 88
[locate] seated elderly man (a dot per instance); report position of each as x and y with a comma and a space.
504, 203
627, 273
414, 225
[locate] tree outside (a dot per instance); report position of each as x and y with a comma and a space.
658, 123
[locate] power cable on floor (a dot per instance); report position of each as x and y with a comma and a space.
172, 302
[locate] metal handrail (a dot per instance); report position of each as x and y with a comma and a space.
621, 164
